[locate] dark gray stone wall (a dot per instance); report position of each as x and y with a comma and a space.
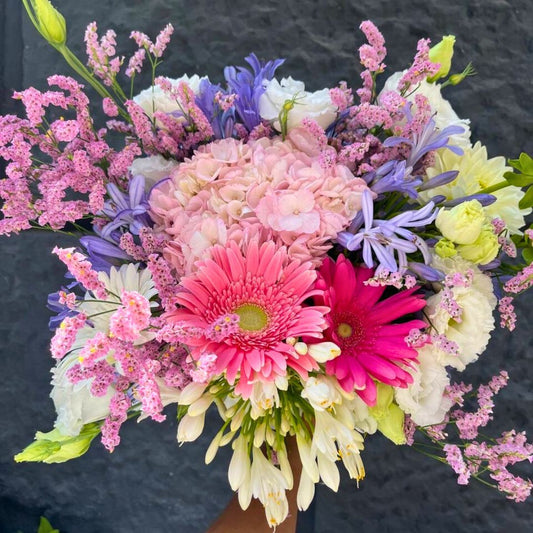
149, 484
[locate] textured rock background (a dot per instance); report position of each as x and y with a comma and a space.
149, 484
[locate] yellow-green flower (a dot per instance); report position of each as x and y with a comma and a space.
389, 416
445, 248
462, 224
483, 250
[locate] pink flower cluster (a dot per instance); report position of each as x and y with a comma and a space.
264, 190
128, 321
82, 270
74, 155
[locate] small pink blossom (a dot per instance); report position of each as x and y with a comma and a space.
127, 322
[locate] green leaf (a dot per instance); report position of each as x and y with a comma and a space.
527, 254
527, 200
523, 164
518, 180
45, 527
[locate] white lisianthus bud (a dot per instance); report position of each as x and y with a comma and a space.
321, 392
323, 351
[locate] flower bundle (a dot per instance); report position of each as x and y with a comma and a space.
314, 265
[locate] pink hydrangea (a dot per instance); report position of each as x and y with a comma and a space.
269, 189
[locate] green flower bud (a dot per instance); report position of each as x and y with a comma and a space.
483, 250
455, 79
49, 21
53, 447
445, 248
462, 224
442, 53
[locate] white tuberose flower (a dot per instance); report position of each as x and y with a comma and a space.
445, 114
269, 485
321, 392
424, 399
316, 106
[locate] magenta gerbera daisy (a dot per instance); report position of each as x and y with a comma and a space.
266, 291
363, 325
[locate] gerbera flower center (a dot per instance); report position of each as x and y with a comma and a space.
344, 330
349, 328
252, 317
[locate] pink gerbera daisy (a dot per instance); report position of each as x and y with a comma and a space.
372, 346
266, 290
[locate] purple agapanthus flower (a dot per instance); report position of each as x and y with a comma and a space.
431, 138
222, 122
248, 86
103, 254
126, 209
395, 176
61, 309
388, 240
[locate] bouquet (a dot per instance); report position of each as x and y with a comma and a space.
317, 266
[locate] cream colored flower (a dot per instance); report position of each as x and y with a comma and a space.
269, 485
424, 399
322, 392
477, 302
316, 106
155, 99
154, 168
74, 403
477, 172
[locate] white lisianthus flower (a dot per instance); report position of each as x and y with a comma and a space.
424, 399
75, 406
74, 403
153, 168
444, 113
477, 172
316, 106
155, 99
477, 302
321, 392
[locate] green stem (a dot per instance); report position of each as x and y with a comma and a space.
495, 187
